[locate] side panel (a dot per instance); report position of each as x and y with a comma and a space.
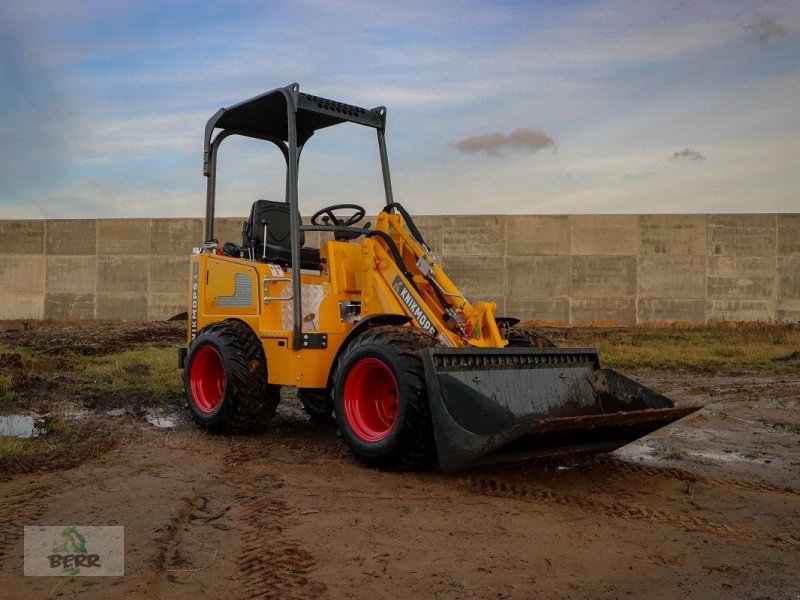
321, 294
231, 289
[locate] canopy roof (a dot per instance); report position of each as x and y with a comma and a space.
266, 116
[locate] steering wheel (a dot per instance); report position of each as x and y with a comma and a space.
328, 215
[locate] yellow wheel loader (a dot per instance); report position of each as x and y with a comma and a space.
371, 330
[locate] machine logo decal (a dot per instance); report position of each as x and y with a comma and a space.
195, 277
242, 293
416, 310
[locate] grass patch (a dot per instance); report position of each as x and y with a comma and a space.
767, 350
790, 427
10, 446
62, 444
149, 376
51, 433
145, 376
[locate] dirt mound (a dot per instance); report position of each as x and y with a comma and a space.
96, 338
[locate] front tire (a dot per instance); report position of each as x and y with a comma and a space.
381, 399
225, 379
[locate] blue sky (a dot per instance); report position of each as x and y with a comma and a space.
494, 107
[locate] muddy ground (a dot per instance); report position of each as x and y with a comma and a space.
707, 508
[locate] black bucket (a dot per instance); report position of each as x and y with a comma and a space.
498, 405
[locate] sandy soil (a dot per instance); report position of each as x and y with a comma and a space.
707, 508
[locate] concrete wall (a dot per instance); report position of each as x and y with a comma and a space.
578, 268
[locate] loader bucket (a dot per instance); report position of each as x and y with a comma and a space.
499, 405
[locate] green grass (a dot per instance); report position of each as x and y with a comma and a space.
51, 435
18, 447
148, 375
145, 376
767, 349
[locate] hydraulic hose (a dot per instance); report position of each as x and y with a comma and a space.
412, 227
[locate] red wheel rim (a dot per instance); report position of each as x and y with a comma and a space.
207, 379
371, 399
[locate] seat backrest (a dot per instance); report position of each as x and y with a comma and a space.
277, 216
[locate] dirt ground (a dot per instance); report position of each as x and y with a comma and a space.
706, 508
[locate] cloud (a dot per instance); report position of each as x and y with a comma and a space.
765, 29
522, 140
687, 154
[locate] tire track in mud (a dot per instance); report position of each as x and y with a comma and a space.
166, 542
616, 465
19, 507
494, 487
271, 564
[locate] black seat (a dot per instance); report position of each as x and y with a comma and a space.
278, 249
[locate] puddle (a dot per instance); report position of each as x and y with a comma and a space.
725, 457
27, 426
162, 421
646, 453
20, 426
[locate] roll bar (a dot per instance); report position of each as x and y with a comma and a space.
287, 118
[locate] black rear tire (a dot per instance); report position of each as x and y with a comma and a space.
316, 403
225, 379
381, 399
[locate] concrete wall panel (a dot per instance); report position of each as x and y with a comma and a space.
537, 276
21, 305
535, 235
739, 310
789, 277
466, 235
123, 236
669, 310
71, 237
162, 306
75, 274
552, 310
598, 310
122, 306
60, 306
22, 237
175, 236
605, 234
478, 277
789, 234
576, 268
169, 274
740, 277
603, 276
788, 310
742, 235
673, 234
665, 276
20, 273
125, 273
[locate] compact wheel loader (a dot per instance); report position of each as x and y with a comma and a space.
370, 329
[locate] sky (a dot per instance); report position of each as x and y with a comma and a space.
537, 107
